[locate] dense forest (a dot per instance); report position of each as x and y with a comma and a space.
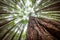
29, 19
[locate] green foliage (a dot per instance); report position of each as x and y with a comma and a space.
15, 14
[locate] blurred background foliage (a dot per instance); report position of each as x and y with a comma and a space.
14, 16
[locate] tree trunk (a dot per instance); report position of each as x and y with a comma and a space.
43, 29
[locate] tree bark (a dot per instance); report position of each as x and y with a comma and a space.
42, 29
